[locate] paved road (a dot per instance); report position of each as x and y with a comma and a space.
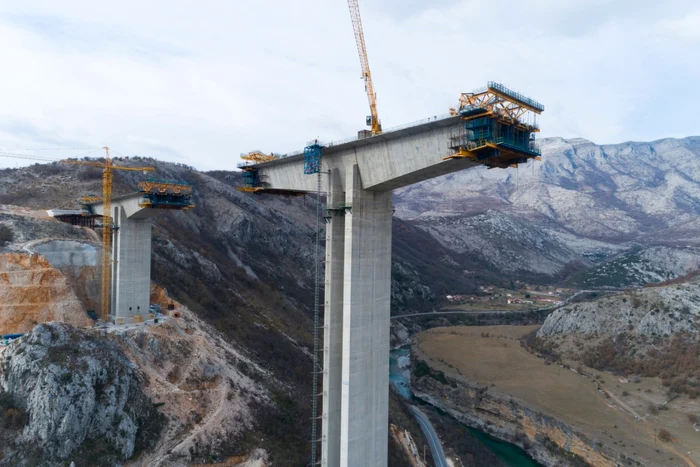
433, 440
476, 312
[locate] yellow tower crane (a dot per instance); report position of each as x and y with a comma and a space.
373, 119
107, 228
107, 168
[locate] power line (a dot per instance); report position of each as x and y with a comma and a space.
50, 149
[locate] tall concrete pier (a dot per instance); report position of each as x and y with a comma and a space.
131, 256
130, 289
490, 128
360, 176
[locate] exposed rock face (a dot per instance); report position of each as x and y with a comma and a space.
596, 191
583, 202
513, 245
550, 441
32, 291
651, 311
207, 389
637, 267
80, 263
82, 395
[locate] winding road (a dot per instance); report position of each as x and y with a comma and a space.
431, 435
503, 312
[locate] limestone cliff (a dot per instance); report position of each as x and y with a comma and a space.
173, 393
546, 439
32, 291
79, 262
82, 397
652, 311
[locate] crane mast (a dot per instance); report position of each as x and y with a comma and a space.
373, 120
107, 228
107, 222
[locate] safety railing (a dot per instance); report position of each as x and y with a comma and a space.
515, 95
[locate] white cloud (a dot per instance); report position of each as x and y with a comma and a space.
685, 27
203, 82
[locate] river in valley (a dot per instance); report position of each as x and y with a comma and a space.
400, 377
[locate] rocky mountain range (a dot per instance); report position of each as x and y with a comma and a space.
581, 205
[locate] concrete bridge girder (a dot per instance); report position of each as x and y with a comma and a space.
385, 162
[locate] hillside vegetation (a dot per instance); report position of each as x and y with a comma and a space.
648, 332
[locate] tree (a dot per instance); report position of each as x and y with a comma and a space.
665, 435
6, 235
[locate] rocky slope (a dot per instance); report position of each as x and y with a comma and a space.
652, 311
651, 332
546, 439
83, 399
515, 246
210, 392
595, 200
168, 394
639, 266
48, 270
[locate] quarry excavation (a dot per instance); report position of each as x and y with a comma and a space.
483, 286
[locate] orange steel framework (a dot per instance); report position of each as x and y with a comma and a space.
258, 157
165, 187
160, 194
499, 127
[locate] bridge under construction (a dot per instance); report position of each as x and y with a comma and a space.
129, 291
493, 127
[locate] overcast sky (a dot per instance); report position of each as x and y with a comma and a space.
200, 82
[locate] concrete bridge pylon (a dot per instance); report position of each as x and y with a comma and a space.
130, 288
492, 127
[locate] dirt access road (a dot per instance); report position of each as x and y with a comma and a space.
510, 371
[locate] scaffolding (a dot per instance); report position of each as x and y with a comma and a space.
258, 156
499, 127
312, 157
166, 194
